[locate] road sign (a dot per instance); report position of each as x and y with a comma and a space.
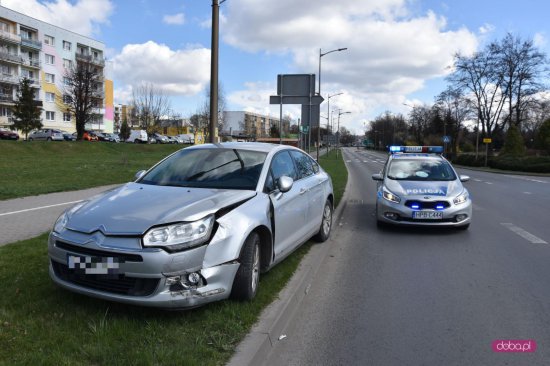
446, 139
487, 140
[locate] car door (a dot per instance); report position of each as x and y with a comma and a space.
289, 208
315, 189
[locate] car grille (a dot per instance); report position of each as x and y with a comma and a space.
77, 249
427, 205
435, 222
118, 284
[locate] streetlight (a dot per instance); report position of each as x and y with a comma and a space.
214, 69
338, 130
328, 114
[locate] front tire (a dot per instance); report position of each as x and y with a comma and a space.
326, 223
247, 278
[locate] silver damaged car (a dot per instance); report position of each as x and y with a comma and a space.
199, 226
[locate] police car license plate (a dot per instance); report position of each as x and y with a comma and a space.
427, 215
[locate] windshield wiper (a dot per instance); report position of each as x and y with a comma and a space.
203, 172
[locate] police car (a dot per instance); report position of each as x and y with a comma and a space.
418, 186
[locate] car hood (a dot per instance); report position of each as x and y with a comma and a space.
433, 189
134, 208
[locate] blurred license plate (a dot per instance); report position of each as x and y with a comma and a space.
427, 215
93, 265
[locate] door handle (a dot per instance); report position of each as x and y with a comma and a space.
303, 190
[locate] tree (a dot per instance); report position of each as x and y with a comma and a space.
124, 130
202, 120
513, 143
26, 112
83, 92
150, 103
455, 108
542, 140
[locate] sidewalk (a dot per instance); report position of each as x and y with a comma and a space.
27, 217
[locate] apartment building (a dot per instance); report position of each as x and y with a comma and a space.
249, 125
43, 53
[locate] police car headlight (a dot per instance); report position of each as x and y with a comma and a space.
390, 196
461, 198
181, 235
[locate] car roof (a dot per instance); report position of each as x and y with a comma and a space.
254, 146
417, 156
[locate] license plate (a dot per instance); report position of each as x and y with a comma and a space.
427, 215
93, 265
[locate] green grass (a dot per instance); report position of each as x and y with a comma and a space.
46, 325
31, 168
334, 165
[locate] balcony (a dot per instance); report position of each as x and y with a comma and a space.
88, 58
9, 78
6, 98
10, 57
35, 83
7, 36
31, 62
31, 43
100, 111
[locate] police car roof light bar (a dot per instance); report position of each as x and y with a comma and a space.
416, 149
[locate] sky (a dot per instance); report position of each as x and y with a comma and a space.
398, 51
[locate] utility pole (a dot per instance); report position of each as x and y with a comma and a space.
214, 70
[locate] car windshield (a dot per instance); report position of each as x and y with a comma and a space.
424, 170
209, 168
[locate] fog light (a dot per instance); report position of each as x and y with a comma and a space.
461, 217
391, 215
193, 278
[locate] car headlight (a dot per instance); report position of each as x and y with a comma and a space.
181, 235
390, 196
461, 198
64, 218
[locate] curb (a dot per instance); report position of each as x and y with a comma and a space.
260, 341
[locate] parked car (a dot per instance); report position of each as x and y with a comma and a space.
172, 139
68, 136
112, 137
101, 136
199, 226
6, 134
137, 136
47, 134
157, 138
90, 136
187, 138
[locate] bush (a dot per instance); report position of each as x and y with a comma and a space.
470, 160
513, 143
542, 139
532, 164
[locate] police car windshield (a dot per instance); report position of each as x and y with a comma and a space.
422, 170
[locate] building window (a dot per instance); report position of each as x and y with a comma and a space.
49, 40
66, 46
50, 97
26, 34
67, 99
66, 80
68, 64
50, 78
50, 60
5, 112
66, 117
50, 116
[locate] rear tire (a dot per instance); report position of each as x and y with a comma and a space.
136, 141
326, 224
247, 278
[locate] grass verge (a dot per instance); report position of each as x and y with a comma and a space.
43, 324
38, 167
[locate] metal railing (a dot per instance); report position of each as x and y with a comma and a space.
10, 36
32, 62
9, 78
31, 43
88, 58
8, 56
6, 98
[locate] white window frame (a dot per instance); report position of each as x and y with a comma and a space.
49, 40
50, 58
50, 97
66, 117
67, 63
66, 45
50, 78
50, 116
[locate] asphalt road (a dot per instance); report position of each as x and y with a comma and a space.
25, 218
404, 296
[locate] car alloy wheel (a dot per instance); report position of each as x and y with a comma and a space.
326, 223
247, 278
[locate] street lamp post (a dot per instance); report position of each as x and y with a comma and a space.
338, 130
328, 115
214, 69
321, 54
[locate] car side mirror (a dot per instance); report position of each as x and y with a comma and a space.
139, 174
285, 183
464, 178
377, 177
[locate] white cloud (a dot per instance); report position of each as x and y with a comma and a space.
178, 72
176, 19
486, 28
539, 40
391, 52
82, 16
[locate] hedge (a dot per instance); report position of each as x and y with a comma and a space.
532, 164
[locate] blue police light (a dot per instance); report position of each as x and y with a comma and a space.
416, 149
394, 149
439, 207
415, 206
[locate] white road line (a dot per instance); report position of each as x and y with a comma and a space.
528, 179
478, 180
527, 193
488, 183
524, 234
38, 208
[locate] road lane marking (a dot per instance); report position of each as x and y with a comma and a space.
488, 183
528, 179
38, 208
524, 234
527, 193
478, 180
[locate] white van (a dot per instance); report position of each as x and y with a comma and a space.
137, 136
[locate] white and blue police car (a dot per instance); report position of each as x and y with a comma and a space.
418, 186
